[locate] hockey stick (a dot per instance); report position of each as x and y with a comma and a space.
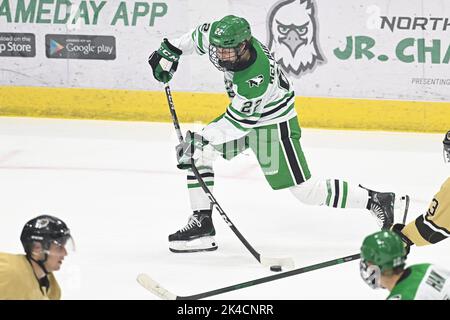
406, 208
266, 261
154, 287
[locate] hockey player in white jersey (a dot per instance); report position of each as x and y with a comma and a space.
382, 265
261, 116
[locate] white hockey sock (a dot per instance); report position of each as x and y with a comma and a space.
199, 199
331, 192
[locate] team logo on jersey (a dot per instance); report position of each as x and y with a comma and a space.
256, 81
292, 32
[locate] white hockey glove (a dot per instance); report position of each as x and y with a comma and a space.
197, 148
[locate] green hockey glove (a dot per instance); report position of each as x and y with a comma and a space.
164, 61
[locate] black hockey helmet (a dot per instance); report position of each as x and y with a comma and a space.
46, 230
446, 143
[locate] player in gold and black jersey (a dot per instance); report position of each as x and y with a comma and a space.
30, 276
434, 225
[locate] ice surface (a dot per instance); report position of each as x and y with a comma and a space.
117, 187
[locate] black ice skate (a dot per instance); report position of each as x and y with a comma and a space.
196, 236
381, 205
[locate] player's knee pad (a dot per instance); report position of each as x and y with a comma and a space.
311, 192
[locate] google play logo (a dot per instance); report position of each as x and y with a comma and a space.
55, 47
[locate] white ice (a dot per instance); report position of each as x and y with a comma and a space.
116, 185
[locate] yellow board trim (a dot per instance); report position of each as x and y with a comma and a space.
324, 113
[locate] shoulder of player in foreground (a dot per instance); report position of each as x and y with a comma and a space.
420, 267
408, 284
416, 272
55, 289
396, 296
446, 184
10, 264
254, 81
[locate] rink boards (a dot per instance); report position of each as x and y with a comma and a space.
136, 105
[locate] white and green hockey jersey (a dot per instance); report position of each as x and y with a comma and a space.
422, 282
260, 94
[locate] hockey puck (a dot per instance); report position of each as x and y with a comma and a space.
275, 268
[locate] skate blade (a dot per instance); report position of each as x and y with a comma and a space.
196, 245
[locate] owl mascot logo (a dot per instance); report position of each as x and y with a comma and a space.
292, 31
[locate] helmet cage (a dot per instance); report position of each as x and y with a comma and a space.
227, 59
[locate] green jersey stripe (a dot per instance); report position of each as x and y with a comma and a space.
243, 121
200, 41
236, 124
279, 107
344, 194
267, 106
274, 116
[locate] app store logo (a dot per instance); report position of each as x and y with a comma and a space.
17, 45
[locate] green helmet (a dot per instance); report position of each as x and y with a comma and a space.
381, 251
229, 40
229, 32
384, 249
